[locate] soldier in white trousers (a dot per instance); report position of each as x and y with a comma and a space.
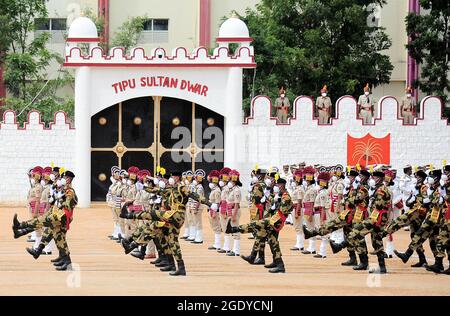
298, 192
196, 207
223, 184
308, 206
189, 229
234, 198
214, 212
322, 211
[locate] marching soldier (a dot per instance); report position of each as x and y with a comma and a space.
408, 107
223, 184
308, 206
233, 208
429, 228
269, 228
366, 106
214, 213
322, 210
130, 197
196, 208
191, 207
337, 187
34, 198
396, 205
323, 106
110, 199
45, 206
374, 225
282, 105
298, 192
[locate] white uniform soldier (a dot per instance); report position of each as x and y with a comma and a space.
392, 184
322, 210
188, 177
130, 198
110, 199
323, 105
214, 212
337, 186
407, 185
408, 107
308, 206
282, 105
118, 193
191, 207
197, 207
286, 174
223, 184
234, 199
366, 105
298, 192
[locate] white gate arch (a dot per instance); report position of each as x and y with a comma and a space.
101, 80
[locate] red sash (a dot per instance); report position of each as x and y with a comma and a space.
223, 207
333, 201
447, 214
350, 216
308, 208
230, 207
135, 208
261, 210
399, 204
298, 210
380, 217
69, 215
283, 220
42, 208
34, 207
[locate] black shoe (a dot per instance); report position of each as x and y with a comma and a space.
404, 256
138, 255
164, 262
36, 252
57, 259
363, 263
381, 263
22, 232
296, 249
259, 261
46, 253
270, 266
447, 271
170, 265
212, 248
335, 247
250, 259
422, 260
279, 268
309, 234
352, 261
437, 267
156, 261
196, 242
16, 223
232, 254
129, 246
319, 256
181, 269
307, 252
184, 237
67, 264
230, 229
222, 251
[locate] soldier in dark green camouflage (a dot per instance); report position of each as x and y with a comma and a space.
344, 220
429, 229
374, 225
414, 217
268, 228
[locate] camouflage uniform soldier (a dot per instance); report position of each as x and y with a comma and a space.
443, 240
413, 217
366, 106
269, 228
282, 105
297, 198
408, 107
344, 220
214, 199
373, 225
323, 105
434, 202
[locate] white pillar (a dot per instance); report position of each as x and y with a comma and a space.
233, 118
82, 181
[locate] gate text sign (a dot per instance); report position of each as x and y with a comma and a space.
160, 81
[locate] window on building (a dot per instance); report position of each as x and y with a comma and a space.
57, 27
155, 31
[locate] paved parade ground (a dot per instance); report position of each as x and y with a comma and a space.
101, 268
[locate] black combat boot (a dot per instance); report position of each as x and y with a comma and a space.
16, 223
437, 267
335, 247
422, 260
66, 264
309, 234
363, 262
271, 265
22, 232
352, 261
381, 263
250, 259
181, 269
279, 268
129, 245
170, 266
164, 261
260, 259
231, 229
57, 259
36, 252
141, 253
404, 256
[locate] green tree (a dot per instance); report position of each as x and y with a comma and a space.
304, 44
26, 60
429, 46
127, 36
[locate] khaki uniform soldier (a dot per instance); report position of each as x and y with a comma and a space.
191, 207
188, 178
374, 225
322, 210
413, 216
224, 177
129, 198
298, 194
110, 199
434, 203
119, 192
234, 199
408, 107
269, 228
197, 208
214, 212
45, 207
366, 105
33, 198
443, 240
308, 207
323, 106
282, 105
